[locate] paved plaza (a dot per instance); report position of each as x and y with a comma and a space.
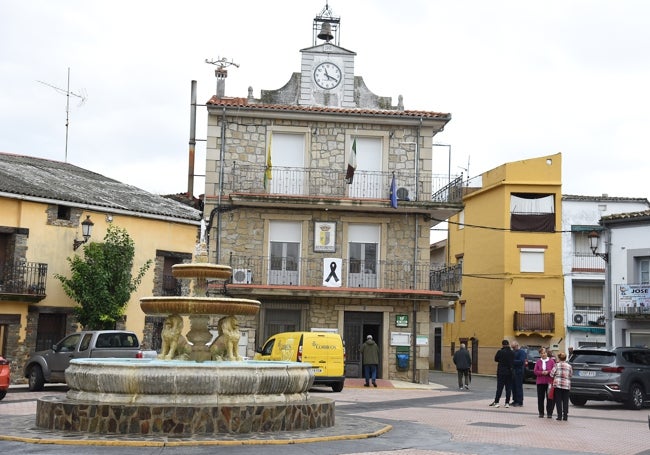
395, 418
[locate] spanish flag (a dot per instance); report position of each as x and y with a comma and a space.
268, 175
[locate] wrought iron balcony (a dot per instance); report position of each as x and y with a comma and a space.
288, 271
587, 262
534, 322
588, 318
327, 182
23, 278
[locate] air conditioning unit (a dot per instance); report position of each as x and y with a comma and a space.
403, 194
242, 276
579, 318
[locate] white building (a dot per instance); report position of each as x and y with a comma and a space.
628, 271
584, 272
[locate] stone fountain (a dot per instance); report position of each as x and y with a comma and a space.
196, 386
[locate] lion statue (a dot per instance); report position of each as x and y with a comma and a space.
225, 347
174, 345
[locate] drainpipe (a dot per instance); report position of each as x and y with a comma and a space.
190, 170
415, 283
222, 156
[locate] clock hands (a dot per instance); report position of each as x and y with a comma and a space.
328, 75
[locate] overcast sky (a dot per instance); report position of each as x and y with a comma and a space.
521, 79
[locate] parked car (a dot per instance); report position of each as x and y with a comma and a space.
532, 355
620, 374
4, 377
50, 365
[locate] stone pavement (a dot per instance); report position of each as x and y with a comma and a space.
396, 417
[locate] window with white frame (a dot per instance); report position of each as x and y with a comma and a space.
644, 271
368, 179
287, 152
588, 296
284, 252
363, 255
531, 260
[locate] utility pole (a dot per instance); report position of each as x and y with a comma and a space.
67, 93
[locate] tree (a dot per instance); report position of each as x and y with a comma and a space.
101, 284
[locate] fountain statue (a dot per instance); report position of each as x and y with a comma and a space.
196, 386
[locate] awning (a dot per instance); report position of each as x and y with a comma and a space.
580, 328
585, 228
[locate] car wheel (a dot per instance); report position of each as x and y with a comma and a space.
3, 393
337, 386
36, 379
636, 397
577, 400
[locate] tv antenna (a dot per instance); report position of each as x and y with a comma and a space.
67, 93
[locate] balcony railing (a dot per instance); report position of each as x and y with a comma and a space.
534, 322
327, 182
354, 274
23, 278
587, 262
631, 301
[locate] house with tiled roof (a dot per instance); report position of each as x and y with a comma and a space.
320, 195
586, 314
624, 245
44, 207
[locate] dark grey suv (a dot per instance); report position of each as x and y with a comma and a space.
619, 374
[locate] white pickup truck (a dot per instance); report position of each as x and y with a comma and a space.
49, 365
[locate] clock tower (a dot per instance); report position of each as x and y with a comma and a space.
327, 70
326, 76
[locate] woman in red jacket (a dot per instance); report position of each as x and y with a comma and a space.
542, 371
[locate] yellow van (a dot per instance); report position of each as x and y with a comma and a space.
324, 350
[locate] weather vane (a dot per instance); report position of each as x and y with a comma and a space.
67, 93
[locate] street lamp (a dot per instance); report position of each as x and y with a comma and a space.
86, 231
594, 238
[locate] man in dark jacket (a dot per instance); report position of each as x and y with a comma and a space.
463, 362
504, 358
370, 358
518, 366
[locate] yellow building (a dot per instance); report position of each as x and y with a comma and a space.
43, 205
508, 241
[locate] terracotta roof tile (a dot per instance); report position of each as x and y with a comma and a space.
243, 103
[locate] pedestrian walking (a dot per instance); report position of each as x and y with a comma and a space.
463, 362
561, 374
518, 366
504, 358
543, 380
370, 360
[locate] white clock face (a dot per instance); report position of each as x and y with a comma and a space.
327, 75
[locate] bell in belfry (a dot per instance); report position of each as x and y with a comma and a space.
326, 32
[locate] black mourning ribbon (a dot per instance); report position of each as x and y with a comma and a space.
332, 273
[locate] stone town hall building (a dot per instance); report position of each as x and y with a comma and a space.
317, 249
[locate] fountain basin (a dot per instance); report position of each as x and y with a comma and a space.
163, 306
150, 381
155, 397
201, 271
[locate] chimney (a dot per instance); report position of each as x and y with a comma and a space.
221, 75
